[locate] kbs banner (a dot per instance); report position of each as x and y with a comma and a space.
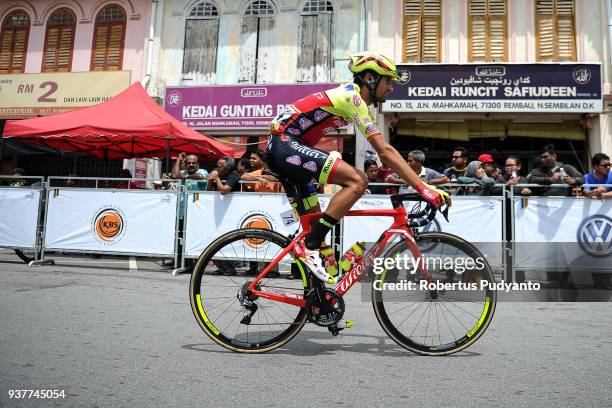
210, 215
234, 106
475, 219
563, 233
18, 217
140, 222
497, 88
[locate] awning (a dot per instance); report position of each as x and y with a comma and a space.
128, 125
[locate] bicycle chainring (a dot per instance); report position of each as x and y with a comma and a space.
325, 307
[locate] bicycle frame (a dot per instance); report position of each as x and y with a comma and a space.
399, 226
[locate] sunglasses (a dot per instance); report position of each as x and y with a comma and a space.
605, 166
456, 157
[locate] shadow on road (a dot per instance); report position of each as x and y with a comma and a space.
320, 343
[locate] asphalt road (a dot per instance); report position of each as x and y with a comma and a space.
115, 333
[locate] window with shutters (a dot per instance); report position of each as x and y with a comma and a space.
14, 42
422, 30
59, 41
109, 38
315, 55
488, 22
257, 43
555, 33
201, 36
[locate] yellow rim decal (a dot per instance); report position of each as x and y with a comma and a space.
208, 323
482, 317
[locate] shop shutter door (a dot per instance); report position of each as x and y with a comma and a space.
497, 30
323, 48
99, 52
64, 56
248, 49
115, 47
478, 35
265, 50
6, 48
545, 38
306, 57
555, 36
566, 40
19, 50
51, 49
411, 39
422, 30
431, 31
431, 39
478, 30
200, 59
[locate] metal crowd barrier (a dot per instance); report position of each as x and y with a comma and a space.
20, 217
568, 234
92, 194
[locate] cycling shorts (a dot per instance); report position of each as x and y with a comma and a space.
301, 163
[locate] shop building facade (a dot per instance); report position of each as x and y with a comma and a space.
57, 56
428, 35
267, 53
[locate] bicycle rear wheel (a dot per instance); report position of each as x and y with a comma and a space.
443, 321
219, 281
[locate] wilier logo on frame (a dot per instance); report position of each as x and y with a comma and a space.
108, 225
256, 219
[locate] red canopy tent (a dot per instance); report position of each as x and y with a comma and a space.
130, 124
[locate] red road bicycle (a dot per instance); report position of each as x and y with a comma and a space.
433, 315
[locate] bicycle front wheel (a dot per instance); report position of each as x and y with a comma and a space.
219, 286
442, 308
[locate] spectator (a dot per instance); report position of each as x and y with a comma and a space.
265, 182
18, 173
553, 172
475, 174
383, 174
158, 185
225, 179
415, 159
492, 171
187, 167
459, 160
371, 170
489, 163
601, 174
243, 166
512, 177
127, 184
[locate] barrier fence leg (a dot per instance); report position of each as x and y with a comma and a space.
40, 238
180, 242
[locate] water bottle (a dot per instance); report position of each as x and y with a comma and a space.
352, 256
513, 173
562, 173
329, 260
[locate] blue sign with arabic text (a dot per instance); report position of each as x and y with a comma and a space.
497, 88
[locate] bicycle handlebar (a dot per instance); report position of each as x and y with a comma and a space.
418, 218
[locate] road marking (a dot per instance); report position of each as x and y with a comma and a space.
133, 264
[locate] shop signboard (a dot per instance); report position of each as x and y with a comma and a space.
24, 95
497, 88
234, 107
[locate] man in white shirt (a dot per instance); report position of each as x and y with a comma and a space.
415, 159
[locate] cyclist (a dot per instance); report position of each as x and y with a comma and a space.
295, 131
